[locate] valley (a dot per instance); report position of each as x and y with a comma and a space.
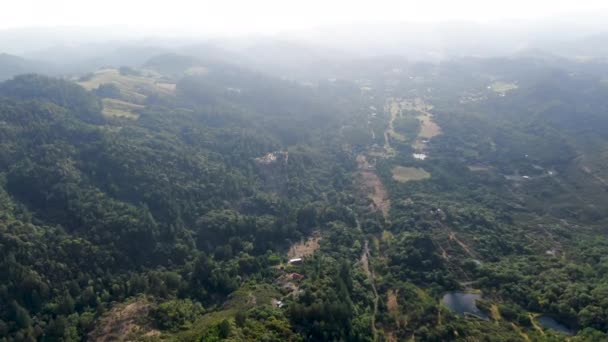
191, 199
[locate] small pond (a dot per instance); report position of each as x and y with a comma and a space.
463, 303
548, 322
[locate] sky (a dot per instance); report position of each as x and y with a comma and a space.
270, 16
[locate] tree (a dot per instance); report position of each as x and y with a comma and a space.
22, 317
225, 328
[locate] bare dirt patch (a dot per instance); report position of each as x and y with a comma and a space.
406, 174
123, 322
371, 182
305, 248
391, 302
495, 312
428, 130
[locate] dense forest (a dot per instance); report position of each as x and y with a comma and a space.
189, 199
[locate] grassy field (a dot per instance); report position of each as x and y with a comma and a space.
395, 110
405, 174
478, 168
428, 128
133, 88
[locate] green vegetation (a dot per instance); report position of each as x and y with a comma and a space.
113, 108
161, 204
406, 174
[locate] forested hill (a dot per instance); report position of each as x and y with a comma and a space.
189, 199
11, 65
174, 204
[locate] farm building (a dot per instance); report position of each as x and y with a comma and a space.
295, 261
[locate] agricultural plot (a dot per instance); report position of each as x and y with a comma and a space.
134, 88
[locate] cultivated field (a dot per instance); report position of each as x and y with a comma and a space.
134, 88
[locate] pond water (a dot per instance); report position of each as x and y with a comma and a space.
550, 323
463, 303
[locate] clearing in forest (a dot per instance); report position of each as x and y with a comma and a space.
406, 174
428, 127
305, 248
391, 302
123, 322
395, 111
372, 183
428, 130
134, 88
478, 168
113, 108
495, 312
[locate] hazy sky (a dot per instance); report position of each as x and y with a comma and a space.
270, 16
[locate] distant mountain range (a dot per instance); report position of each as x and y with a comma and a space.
13, 65
292, 54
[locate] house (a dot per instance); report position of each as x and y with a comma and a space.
296, 276
277, 303
295, 261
